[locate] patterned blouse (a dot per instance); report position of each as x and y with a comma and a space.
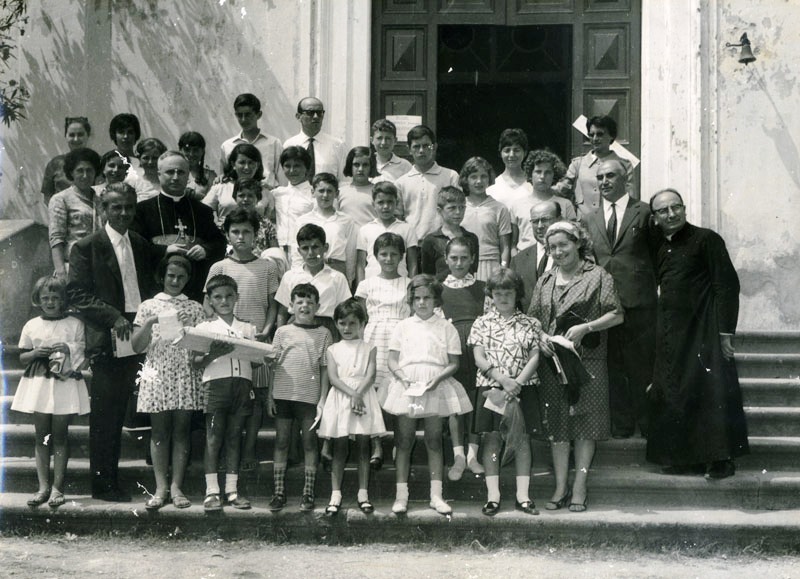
507, 343
74, 215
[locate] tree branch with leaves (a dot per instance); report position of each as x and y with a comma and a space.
13, 95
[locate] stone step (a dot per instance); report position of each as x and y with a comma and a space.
627, 488
773, 421
770, 392
779, 366
753, 341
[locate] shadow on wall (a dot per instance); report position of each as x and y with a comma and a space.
178, 67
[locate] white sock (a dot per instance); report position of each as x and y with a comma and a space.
336, 497
231, 483
402, 491
523, 482
458, 451
493, 488
472, 452
363, 495
436, 489
212, 484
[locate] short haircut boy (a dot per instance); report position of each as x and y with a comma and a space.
389, 239
241, 215
305, 290
385, 188
419, 132
295, 153
329, 178
311, 232
247, 184
384, 125
221, 280
247, 100
449, 194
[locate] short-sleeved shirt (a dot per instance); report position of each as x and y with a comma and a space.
356, 202
488, 220
291, 202
507, 191
220, 199
225, 366
394, 168
340, 234
521, 215
73, 216
256, 280
507, 343
329, 152
331, 285
417, 199
371, 231
428, 341
270, 149
299, 354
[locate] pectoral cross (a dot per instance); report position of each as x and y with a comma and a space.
181, 239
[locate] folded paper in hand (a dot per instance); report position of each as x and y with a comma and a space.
122, 348
496, 400
416, 389
200, 341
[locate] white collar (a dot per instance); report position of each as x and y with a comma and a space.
621, 203
115, 236
173, 197
166, 297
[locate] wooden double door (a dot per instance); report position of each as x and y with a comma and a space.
471, 68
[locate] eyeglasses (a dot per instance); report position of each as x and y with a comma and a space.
420, 148
313, 113
664, 211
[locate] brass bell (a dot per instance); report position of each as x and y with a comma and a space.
746, 56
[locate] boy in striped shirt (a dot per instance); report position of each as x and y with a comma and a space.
299, 386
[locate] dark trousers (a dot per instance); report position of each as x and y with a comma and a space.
631, 353
113, 381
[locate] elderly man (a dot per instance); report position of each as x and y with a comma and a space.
327, 152
174, 218
111, 272
533, 261
619, 229
697, 423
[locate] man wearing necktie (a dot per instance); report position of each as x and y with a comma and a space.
327, 152
533, 261
111, 273
620, 231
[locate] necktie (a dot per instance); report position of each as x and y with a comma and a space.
611, 228
130, 283
542, 266
312, 170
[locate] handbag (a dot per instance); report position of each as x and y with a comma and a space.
568, 319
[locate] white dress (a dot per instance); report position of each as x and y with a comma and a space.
386, 306
338, 419
424, 346
38, 393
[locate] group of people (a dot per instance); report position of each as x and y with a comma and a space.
544, 303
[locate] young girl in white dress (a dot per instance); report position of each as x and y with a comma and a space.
52, 389
423, 355
351, 407
385, 298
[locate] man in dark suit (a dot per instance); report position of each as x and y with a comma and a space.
533, 261
620, 230
110, 274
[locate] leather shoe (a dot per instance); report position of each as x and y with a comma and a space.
114, 495
720, 469
527, 507
491, 508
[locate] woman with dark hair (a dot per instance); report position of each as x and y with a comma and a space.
147, 184
113, 168
77, 131
201, 176
575, 300
75, 211
244, 162
579, 183
125, 130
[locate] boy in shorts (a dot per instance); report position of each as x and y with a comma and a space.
229, 395
299, 387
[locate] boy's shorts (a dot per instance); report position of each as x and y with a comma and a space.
231, 396
292, 409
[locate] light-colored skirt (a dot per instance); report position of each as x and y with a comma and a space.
486, 267
51, 396
338, 419
447, 399
378, 333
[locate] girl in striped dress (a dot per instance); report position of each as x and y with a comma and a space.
385, 298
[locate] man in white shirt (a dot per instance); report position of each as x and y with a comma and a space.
247, 108
327, 152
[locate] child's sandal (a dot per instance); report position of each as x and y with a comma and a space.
332, 510
366, 507
56, 499
39, 498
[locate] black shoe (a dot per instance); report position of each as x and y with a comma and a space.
277, 503
307, 503
115, 495
720, 469
491, 508
527, 507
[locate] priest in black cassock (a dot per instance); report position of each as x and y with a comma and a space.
697, 423
173, 217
